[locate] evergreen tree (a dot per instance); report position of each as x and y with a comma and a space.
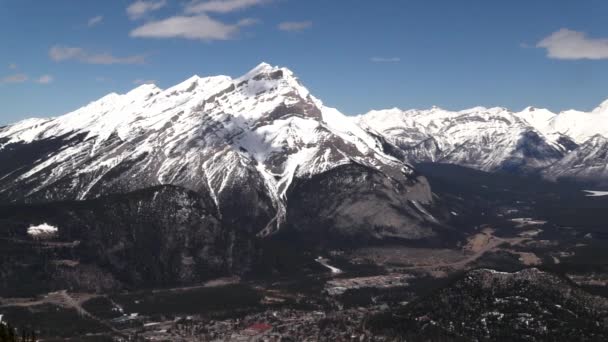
11, 334
3, 333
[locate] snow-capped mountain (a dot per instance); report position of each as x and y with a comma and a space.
496, 139
588, 162
578, 125
484, 138
247, 142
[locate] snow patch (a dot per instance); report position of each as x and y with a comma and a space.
424, 211
323, 261
593, 193
43, 231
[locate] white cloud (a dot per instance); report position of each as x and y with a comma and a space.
16, 78
95, 21
385, 59
247, 22
295, 26
64, 53
12, 66
140, 8
221, 6
45, 79
200, 27
572, 45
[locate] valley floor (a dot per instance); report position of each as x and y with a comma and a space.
333, 303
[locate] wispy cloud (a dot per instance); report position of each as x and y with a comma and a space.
572, 45
141, 81
45, 79
23, 78
60, 53
12, 66
295, 26
140, 8
385, 59
200, 27
195, 21
15, 78
95, 21
222, 6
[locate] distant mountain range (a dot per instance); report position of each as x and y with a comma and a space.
570, 144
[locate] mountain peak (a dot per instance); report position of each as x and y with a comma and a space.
186, 84
263, 65
262, 68
602, 108
476, 109
145, 89
266, 77
598, 139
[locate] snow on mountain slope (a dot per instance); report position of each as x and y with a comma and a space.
484, 138
589, 162
538, 118
243, 140
578, 125
563, 145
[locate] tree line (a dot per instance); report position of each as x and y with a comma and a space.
10, 334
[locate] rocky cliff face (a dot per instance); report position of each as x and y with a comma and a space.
355, 203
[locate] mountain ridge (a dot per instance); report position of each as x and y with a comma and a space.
496, 139
534, 140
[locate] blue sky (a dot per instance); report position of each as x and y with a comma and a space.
355, 55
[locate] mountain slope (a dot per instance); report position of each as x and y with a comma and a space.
578, 125
154, 237
588, 162
243, 141
486, 305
